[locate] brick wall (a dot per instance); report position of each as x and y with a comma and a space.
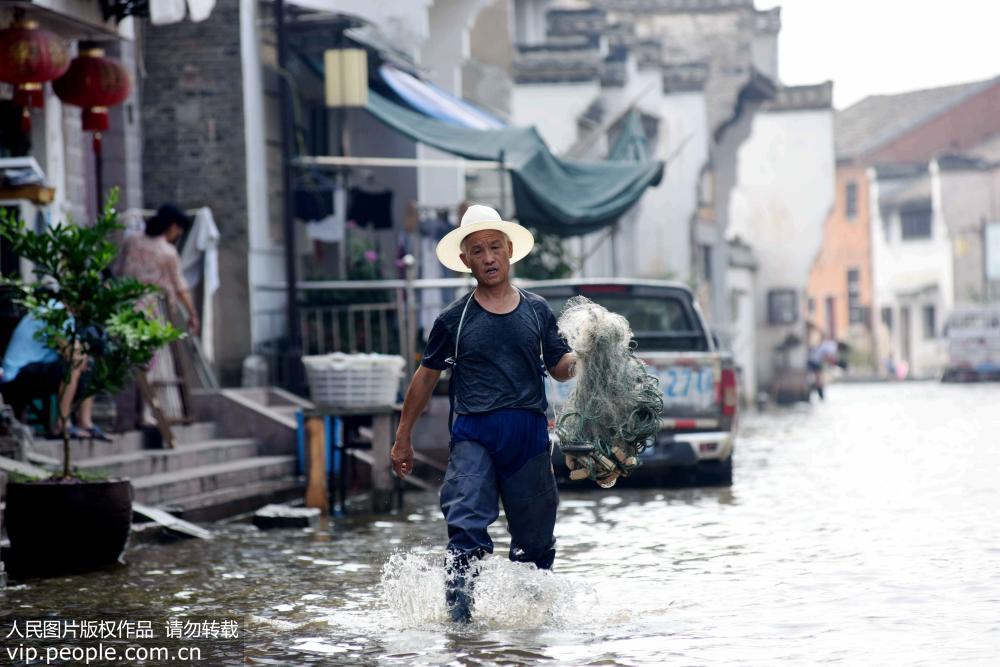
122, 149
194, 151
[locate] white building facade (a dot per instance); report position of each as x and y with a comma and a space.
783, 194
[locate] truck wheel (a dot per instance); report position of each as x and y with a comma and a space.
717, 473
727, 472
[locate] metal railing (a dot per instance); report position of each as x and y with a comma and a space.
379, 325
386, 326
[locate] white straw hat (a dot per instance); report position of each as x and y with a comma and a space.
476, 219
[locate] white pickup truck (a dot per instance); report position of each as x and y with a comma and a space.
973, 336
698, 380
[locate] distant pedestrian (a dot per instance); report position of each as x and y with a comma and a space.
499, 341
829, 352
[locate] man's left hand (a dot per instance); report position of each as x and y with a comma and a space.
565, 369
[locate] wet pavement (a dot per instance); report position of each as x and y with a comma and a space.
862, 530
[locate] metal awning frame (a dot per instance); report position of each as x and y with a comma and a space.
338, 162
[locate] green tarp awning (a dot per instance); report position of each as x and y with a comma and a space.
563, 197
631, 145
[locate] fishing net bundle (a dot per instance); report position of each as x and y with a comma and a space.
614, 409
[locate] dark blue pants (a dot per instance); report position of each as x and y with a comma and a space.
501, 456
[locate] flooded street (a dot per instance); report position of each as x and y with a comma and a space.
862, 530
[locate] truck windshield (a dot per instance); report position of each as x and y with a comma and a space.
658, 323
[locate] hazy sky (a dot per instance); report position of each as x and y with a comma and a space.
869, 47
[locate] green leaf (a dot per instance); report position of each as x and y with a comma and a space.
102, 315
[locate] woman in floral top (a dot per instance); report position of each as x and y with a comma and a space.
153, 259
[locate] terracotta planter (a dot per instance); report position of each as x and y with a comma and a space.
57, 527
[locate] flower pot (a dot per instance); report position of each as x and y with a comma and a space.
57, 527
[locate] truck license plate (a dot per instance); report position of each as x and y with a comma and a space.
687, 385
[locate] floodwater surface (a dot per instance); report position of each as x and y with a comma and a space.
861, 530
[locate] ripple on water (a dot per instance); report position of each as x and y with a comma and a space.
848, 536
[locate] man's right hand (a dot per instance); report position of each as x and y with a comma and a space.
402, 457
417, 397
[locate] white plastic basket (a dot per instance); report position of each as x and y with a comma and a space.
353, 380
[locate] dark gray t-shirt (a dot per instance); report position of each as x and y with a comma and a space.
498, 355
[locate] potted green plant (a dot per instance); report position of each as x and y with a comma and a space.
72, 522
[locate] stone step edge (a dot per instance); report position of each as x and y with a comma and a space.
128, 457
147, 481
218, 496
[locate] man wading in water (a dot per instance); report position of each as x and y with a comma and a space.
498, 341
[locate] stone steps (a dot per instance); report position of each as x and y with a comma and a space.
227, 502
161, 488
153, 461
239, 458
124, 443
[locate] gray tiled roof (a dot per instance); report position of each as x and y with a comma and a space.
878, 119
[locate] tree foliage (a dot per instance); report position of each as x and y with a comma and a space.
87, 315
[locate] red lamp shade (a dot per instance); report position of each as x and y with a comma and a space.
95, 83
30, 56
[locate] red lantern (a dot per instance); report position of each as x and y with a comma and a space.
30, 56
95, 83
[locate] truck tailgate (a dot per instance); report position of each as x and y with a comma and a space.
688, 381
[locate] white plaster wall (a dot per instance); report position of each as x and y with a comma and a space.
765, 55
54, 164
784, 191
553, 109
654, 238
742, 286
443, 55
617, 254
904, 266
404, 22
266, 263
969, 197
529, 21
663, 229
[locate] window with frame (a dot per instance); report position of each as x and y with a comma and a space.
930, 321
915, 223
706, 263
887, 318
782, 306
851, 200
855, 313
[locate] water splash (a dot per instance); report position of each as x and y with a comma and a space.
519, 596
507, 595
412, 587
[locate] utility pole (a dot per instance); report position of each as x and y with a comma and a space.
293, 353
